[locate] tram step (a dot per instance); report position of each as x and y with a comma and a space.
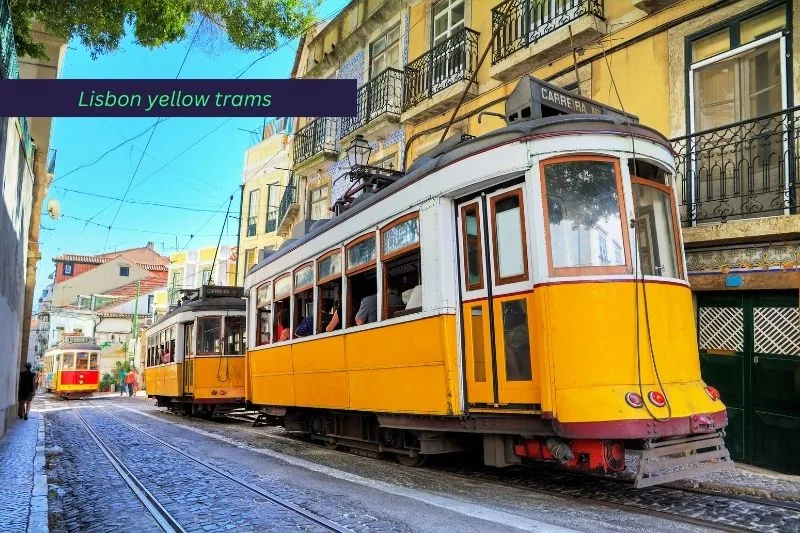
671, 460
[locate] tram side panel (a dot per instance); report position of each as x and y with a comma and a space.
407, 367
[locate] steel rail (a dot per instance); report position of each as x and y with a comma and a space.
167, 522
277, 500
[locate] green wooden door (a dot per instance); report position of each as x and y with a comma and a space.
750, 350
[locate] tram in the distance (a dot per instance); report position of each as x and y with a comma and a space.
195, 354
71, 368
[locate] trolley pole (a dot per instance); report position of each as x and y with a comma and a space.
135, 332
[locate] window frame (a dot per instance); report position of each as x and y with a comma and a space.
198, 336
325, 199
670, 192
297, 289
321, 281
465, 253
70, 265
525, 276
126, 270
365, 266
275, 281
405, 249
598, 270
258, 309
373, 56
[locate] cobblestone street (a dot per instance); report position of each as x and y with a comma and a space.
226, 475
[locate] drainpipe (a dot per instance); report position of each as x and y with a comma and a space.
239, 239
41, 182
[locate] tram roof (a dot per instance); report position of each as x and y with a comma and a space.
454, 149
209, 304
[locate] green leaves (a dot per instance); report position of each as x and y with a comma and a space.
100, 25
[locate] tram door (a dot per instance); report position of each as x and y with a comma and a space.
497, 301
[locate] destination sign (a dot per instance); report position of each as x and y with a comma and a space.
218, 291
534, 98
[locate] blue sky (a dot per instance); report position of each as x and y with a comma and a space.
203, 177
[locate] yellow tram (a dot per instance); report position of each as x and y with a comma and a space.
71, 368
195, 354
525, 290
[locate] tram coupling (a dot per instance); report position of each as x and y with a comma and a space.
668, 460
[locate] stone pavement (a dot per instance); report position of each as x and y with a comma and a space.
23, 482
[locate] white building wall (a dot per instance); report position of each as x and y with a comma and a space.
70, 321
16, 178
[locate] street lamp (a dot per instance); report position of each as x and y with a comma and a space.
359, 151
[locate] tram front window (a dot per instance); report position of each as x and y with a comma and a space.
209, 335
69, 361
655, 230
82, 361
583, 211
234, 335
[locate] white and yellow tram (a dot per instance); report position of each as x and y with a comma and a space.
531, 292
195, 354
71, 368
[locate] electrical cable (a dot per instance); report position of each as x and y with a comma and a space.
140, 202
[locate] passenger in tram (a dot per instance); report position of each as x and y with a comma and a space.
368, 310
165, 356
305, 328
332, 321
282, 326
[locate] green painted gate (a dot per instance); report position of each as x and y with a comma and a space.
750, 350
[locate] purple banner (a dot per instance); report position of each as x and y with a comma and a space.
178, 98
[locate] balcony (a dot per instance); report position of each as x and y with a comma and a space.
380, 98
744, 170
446, 68
288, 208
529, 36
315, 140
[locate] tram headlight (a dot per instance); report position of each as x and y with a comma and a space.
713, 393
634, 400
657, 398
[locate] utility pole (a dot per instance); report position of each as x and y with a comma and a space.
135, 333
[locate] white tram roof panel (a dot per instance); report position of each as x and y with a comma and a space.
455, 149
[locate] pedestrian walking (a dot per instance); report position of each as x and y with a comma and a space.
130, 379
123, 387
27, 388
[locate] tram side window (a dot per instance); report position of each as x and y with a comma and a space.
283, 295
304, 302
188, 331
584, 218
172, 340
329, 276
209, 335
93, 361
234, 335
473, 249
510, 254
656, 229
362, 282
264, 308
82, 361
400, 252
69, 361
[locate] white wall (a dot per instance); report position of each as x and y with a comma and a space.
16, 176
69, 320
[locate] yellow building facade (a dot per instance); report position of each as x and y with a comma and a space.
268, 194
718, 78
190, 269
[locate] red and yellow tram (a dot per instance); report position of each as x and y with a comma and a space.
71, 368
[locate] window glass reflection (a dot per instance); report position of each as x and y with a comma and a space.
209, 335
361, 253
402, 235
656, 232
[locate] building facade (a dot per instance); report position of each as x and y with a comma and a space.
268, 194
191, 269
718, 77
23, 142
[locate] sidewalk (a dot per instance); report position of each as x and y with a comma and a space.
750, 481
23, 482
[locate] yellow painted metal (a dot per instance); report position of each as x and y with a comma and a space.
590, 332
405, 368
165, 380
221, 374
511, 391
478, 349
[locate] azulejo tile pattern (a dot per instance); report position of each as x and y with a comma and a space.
760, 259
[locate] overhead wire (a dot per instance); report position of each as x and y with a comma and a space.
140, 202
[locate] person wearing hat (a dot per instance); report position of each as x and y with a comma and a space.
27, 387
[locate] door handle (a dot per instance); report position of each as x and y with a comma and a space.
755, 359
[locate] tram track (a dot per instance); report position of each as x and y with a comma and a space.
167, 522
692, 506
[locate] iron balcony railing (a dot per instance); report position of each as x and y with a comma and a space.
289, 198
382, 94
524, 22
747, 169
317, 136
445, 64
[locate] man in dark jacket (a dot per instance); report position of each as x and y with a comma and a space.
27, 387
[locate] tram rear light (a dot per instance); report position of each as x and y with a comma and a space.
214, 392
713, 393
657, 399
222, 393
634, 400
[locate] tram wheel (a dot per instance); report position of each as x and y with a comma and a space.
414, 462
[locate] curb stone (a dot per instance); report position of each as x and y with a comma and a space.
37, 517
